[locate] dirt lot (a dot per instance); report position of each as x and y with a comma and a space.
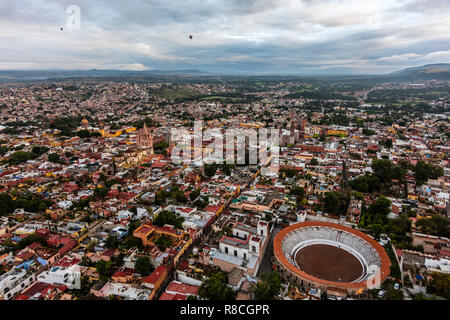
329, 263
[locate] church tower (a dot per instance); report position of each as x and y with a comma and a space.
144, 138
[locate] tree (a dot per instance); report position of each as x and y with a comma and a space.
34, 237
39, 150
163, 243
380, 208
210, 169
268, 217
160, 147
440, 285
201, 203
160, 197
368, 132
133, 225
288, 172
387, 143
366, 184
424, 171
101, 192
42, 207
132, 242
19, 157
436, 225
314, 162
216, 288
112, 242
335, 203
143, 266
194, 194
7, 204
376, 229
54, 157
181, 197
84, 134
226, 168
383, 169
3, 150
91, 246
168, 217
103, 268
268, 288
297, 191
8, 243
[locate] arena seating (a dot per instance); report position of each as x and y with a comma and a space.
357, 246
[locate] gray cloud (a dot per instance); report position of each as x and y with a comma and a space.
356, 36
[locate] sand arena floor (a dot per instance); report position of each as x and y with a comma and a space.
329, 263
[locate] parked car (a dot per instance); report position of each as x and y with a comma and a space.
381, 294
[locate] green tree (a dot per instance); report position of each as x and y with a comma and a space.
3, 150
297, 191
132, 242
168, 217
194, 194
103, 268
39, 150
335, 203
268, 217
268, 287
7, 204
440, 285
366, 184
181, 197
54, 157
91, 246
383, 169
84, 134
226, 168
101, 192
19, 157
424, 171
210, 169
163, 243
381, 207
143, 266
112, 242
215, 288
436, 225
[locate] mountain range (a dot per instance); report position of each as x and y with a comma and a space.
438, 71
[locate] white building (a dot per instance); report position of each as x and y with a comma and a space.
14, 282
68, 276
126, 291
65, 205
244, 250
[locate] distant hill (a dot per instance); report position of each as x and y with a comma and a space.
429, 71
440, 71
31, 75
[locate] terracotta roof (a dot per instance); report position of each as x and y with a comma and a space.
182, 288
171, 296
154, 277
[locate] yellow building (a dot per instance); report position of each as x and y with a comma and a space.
337, 133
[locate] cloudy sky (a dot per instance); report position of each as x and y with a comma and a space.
229, 36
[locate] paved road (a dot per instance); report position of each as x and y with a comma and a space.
266, 264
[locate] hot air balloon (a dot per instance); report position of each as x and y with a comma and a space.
190, 36
61, 28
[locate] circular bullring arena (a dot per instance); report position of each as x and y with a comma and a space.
330, 256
